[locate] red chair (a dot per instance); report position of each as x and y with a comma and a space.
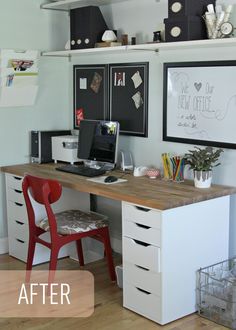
64, 227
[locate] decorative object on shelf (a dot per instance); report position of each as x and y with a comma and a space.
124, 39
153, 173
200, 106
109, 36
218, 21
157, 36
201, 161
87, 26
133, 41
185, 20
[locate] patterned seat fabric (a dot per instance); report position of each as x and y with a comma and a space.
75, 221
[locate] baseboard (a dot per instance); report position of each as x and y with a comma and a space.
4, 245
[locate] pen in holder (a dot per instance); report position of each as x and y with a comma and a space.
173, 167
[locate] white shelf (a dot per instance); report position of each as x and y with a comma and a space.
72, 4
156, 47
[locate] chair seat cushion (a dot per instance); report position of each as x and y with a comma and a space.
75, 221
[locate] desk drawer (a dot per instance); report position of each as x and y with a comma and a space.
141, 254
18, 248
142, 233
142, 302
18, 229
14, 181
141, 215
17, 211
142, 278
15, 195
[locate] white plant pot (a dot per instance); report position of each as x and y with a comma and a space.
202, 179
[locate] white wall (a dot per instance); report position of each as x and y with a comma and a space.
23, 25
48, 30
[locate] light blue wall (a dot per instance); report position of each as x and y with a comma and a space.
23, 25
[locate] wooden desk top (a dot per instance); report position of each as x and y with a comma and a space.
153, 193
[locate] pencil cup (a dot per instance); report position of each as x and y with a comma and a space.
178, 169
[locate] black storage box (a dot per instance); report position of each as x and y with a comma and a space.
185, 28
178, 8
87, 26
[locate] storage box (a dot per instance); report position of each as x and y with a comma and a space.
64, 148
185, 28
87, 26
178, 8
216, 293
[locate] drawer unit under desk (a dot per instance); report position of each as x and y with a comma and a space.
141, 254
142, 302
142, 278
15, 195
14, 181
142, 233
17, 212
141, 215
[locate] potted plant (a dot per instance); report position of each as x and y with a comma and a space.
201, 161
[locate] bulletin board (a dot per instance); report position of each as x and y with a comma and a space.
200, 103
90, 93
117, 92
128, 101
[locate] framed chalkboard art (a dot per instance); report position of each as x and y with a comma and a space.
200, 103
90, 92
128, 97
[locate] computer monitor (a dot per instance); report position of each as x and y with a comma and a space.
98, 143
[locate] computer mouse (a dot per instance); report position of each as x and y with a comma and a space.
110, 178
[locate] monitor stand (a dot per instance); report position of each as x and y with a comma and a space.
99, 165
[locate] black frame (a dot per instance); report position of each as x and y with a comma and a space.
134, 122
94, 104
198, 85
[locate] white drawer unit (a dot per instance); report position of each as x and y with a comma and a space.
163, 249
142, 232
142, 215
142, 277
18, 231
142, 253
142, 302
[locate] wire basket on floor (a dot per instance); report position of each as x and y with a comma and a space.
216, 292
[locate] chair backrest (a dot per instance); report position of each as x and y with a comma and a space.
45, 192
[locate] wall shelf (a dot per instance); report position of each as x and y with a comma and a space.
66, 5
155, 47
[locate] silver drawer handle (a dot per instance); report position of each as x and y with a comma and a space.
20, 223
143, 291
20, 241
143, 268
142, 226
142, 209
18, 191
17, 178
19, 204
141, 243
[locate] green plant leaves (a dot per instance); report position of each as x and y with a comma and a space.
203, 159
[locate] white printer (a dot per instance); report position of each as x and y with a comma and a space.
64, 148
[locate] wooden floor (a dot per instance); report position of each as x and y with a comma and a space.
109, 313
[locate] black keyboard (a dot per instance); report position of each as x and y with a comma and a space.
81, 170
